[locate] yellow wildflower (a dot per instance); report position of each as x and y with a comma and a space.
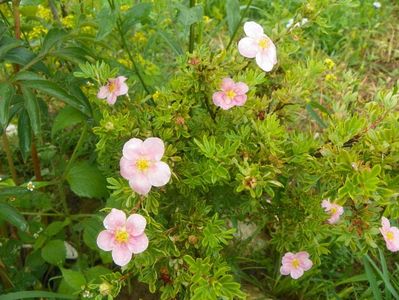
329, 63
68, 21
125, 7
331, 77
156, 95
43, 12
139, 37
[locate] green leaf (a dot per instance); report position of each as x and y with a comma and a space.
7, 91
54, 36
24, 133
12, 44
12, 216
372, 280
74, 279
54, 252
67, 117
138, 13
32, 107
87, 181
232, 15
34, 81
22, 57
35, 294
91, 229
168, 38
189, 16
76, 55
315, 116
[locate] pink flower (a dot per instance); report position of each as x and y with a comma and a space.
114, 88
333, 209
258, 45
295, 264
390, 234
232, 94
123, 237
141, 164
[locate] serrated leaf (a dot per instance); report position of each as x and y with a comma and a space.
87, 181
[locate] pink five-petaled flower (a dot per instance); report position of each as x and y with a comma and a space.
114, 88
333, 209
259, 45
295, 264
123, 237
141, 164
231, 94
390, 234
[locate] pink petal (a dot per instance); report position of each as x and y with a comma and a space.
326, 204
103, 93
263, 61
135, 224
132, 149
302, 255
227, 84
241, 88
253, 29
105, 240
296, 273
121, 254
287, 258
285, 269
240, 100
248, 47
154, 148
385, 223
218, 98
127, 168
306, 264
116, 218
138, 244
140, 184
122, 86
111, 99
159, 174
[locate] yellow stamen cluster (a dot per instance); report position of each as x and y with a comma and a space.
142, 164
121, 236
111, 86
263, 43
295, 263
231, 94
390, 236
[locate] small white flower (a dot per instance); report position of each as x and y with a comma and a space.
11, 130
289, 23
377, 5
30, 186
304, 21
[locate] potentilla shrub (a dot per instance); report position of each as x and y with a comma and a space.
256, 164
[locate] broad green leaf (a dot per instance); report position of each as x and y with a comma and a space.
24, 133
54, 36
87, 181
22, 57
93, 274
106, 19
12, 216
189, 16
6, 93
67, 117
138, 13
76, 55
372, 280
232, 15
74, 279
35, 294
91, 229
32, 107
54, 252
12, 44
50, 88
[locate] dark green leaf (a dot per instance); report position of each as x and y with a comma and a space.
315, 116
54, 252
11, 215
91, 229
232, 15
54, 36
32, 107
74, 279
87, 181
12, 44
168, 38
67, 117
6, 93
22, 57
35, 294
24, 133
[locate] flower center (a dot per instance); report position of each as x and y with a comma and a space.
111, 86
231, 94
295, 263
142, 164
333, 210
390, 236
263, 43
121, 236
